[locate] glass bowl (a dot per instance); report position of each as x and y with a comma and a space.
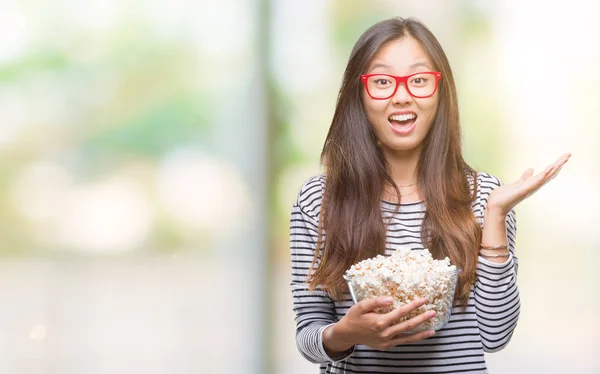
438, 288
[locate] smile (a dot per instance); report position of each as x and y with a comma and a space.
403, 124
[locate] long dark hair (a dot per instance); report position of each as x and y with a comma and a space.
357, 171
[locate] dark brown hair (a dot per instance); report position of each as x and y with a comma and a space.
357, 171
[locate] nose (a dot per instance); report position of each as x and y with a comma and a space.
401, 96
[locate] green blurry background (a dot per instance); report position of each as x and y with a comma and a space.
150, 152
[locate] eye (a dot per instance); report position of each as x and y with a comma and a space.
418, 80
382, 81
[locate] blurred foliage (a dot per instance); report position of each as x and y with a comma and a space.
152, 132
349, 19
43, 60
128, 98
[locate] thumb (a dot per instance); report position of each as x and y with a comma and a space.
528, 173
370, 305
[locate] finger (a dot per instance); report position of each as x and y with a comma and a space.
563, 158
532, 184
553, 175
558, 163
370, 305
410, 338
526, 175
535, 181
550, 172
409, 324
561, 161
397, 314
548, 178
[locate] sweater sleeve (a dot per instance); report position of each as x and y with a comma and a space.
314, 310
496, 293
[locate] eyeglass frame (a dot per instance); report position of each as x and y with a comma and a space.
365, 78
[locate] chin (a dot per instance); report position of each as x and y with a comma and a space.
404, 146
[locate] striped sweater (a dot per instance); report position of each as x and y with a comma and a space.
486, 325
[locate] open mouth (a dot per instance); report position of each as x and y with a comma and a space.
401, 120
403, 124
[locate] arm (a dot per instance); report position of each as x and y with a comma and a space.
497, 300
315, 311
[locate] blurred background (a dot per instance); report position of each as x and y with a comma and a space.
150, 153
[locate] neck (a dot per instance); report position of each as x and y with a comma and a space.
403, 166
403, 170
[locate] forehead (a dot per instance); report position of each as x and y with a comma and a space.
401, 56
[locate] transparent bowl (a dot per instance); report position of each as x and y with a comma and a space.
437, 288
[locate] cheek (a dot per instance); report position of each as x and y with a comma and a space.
429, 108
375, 115
375, 109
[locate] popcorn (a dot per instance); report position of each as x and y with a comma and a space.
407, 275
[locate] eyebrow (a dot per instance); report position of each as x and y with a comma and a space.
420, 63
415, 65
379, 66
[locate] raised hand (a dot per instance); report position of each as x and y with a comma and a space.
507, 196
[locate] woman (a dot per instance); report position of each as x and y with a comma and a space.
395, 175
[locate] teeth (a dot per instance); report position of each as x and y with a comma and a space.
403, 117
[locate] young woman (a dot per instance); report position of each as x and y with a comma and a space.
395, 175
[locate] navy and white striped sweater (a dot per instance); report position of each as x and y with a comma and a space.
486, 325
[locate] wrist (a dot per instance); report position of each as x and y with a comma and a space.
336, 338
495, 213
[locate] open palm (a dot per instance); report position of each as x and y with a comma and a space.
507, 196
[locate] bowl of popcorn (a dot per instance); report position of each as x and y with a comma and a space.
407, 275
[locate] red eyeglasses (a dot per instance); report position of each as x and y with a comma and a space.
384, 86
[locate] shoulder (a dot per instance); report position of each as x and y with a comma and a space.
485, 180
310, 196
